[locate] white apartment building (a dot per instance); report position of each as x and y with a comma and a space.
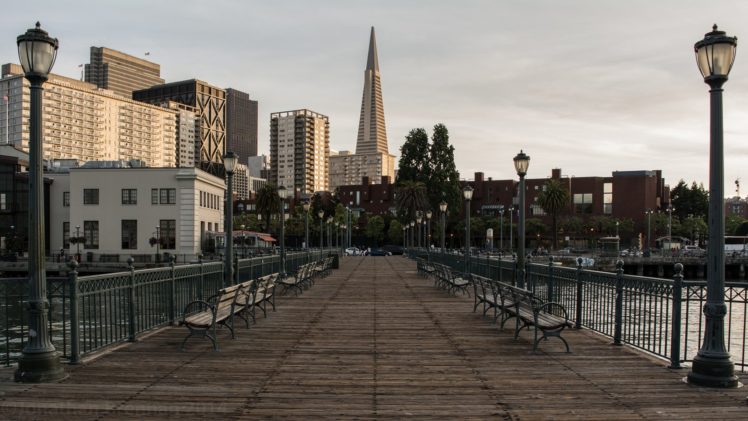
300, 151
86, 123
118, 210
348, 169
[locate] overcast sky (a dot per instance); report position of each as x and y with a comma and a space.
587, 86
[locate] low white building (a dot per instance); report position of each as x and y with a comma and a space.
118, 210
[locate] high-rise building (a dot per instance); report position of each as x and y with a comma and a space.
241, 124
188, 133
259, 166
120, 72
372, 158
210, 104
84, 123
299, 151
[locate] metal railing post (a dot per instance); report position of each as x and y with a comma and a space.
514, 270
75, 328
131, 301
578, 322
550, 279
201, 285
619, 304
675, 328
172, 292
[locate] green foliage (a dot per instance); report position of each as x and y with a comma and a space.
433, 166
553, 199
693, 227
249, 220
268, 203
410, 197
732, 222
687, 201
395, 232
375, 229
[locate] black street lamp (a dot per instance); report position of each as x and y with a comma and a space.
511, 229
282, 193
158, 244
321, 215
244, 242
521, 162
712, 366
501, 229
40, 361
412, 233
467, 193
649, 213
419, 218
428, 229
404, 234
306, 224
443, 209
329, 229
229, 163
78, 243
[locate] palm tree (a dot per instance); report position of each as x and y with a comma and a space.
553, 199
268, 203
410, 197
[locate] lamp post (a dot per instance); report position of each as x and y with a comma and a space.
283, 193
618, 240
229, 163
501, 229
77, 243
511, 230
306, 224
712, 366
412, 237
419, 218
649, 213
467, 193
521, 162
158, 244
670, 230
443, 209
39, 361
344, 237
404, 244
329, 227
429, 214
321, 215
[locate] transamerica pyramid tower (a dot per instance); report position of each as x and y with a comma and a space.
372, 160
372, 134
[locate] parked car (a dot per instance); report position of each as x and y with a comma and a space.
392, 249
694, 251
380, 252
352, 251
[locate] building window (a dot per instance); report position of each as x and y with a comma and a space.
129, 234
3, 201
66, 199
90, 196
536, 210
154, 196
583, 202
607, 198
66, 235
91, 234
168, 233
168, 196
129, 196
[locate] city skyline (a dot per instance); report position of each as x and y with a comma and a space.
587, 87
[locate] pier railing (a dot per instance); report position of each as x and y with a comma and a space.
88, 313
660, 316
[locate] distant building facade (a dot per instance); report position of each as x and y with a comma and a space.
300, 150
117, 211
372, 158
120, 72
259, 166
209, 103
85, 123
241, 124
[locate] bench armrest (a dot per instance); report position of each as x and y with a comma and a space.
550, 307
200, 304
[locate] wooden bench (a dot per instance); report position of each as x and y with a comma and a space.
299, 280
203, 316
450, 280
264, 293
550, 318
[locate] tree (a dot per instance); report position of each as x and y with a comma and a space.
444, 180
375, 229
395, 232
693, 201
553, 199
410, 197
732, 222
414, 156
268, 203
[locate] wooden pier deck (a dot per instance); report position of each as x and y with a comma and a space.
371, 341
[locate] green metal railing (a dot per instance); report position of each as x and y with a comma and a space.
659, 316
88, 313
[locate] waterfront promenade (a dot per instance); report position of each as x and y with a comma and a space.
371, 341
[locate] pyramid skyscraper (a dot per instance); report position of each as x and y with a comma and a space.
372, 158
